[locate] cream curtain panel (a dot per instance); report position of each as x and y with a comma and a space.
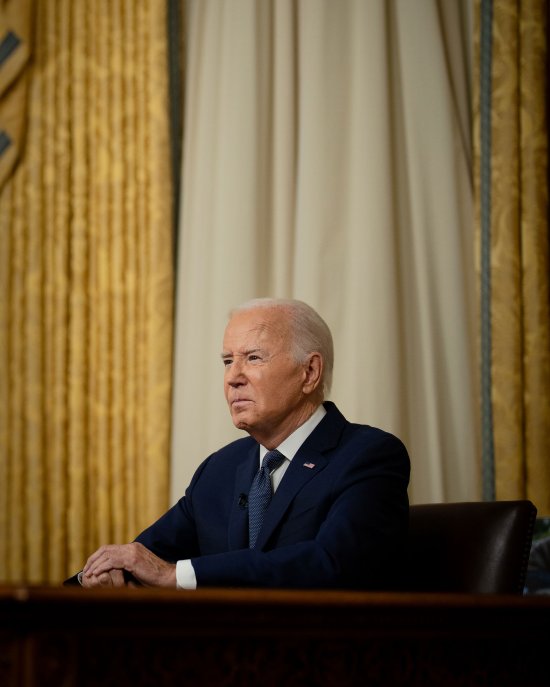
512, 218
327, 158
86, 290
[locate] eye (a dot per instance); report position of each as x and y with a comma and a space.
227, 361
253, 357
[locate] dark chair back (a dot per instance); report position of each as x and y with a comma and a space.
469, 547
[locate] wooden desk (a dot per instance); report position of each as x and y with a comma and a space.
61, 637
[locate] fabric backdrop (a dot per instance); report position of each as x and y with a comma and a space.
511, 146
327, 157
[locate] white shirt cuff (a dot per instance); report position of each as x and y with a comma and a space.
185, 575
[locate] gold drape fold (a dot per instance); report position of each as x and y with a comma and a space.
86, 291
519, 262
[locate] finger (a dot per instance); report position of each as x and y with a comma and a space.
93, 581
105, 580
107, 558
99, 566
88, 582
117, 578
94, 557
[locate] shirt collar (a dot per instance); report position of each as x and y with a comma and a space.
289, 447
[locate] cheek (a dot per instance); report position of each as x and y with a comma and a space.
285, 392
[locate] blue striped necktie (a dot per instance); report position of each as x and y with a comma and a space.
260, 494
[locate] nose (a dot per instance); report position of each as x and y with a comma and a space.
234, 375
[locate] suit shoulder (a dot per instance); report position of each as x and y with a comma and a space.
237, 446
375, 438
233, 452
224, 460
372, 432
335, 432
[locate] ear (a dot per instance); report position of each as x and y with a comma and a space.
313, 369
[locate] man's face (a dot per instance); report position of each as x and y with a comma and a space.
263, 383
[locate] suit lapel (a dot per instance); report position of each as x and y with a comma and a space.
298, 474
238, 519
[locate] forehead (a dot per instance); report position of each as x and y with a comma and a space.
260, 326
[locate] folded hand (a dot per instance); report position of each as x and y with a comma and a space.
105, 567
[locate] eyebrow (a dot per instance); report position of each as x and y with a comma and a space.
247, 352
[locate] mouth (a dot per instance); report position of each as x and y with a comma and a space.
240, 402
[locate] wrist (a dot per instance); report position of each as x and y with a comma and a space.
172, 581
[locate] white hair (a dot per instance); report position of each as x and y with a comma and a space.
310, 333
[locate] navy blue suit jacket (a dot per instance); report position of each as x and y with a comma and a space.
337, 520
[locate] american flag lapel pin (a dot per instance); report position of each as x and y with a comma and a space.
309, 465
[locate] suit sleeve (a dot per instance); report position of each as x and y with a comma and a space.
174, 535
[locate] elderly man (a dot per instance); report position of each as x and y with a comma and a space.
307, 500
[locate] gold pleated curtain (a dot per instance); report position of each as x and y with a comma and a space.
512, 203
86, 290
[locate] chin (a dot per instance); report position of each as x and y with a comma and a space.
239, 422
243, 426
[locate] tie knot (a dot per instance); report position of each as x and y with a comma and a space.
272, 460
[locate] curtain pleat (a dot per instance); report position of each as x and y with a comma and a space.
86, 291
535, 249
515, 150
